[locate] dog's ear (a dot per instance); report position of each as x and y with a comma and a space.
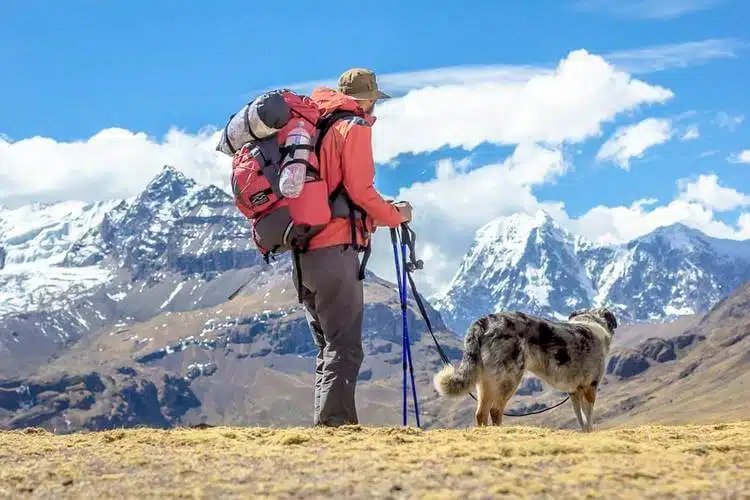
609, 317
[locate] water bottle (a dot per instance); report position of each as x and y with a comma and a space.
293, 175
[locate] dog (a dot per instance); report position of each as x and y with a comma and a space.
568, 355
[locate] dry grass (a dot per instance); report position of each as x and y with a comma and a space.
359, 462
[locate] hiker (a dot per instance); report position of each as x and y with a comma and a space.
331, 281
303, 174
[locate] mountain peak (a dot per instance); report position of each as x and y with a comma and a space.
677, 236
517, 227
677, 228
212, 194
538, 218
681, 237
169, 184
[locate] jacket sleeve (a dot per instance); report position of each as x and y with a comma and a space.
358, 169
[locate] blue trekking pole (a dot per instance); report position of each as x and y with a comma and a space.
405, 341
401, 300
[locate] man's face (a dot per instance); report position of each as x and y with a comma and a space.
367, 106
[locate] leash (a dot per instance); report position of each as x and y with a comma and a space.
408, 240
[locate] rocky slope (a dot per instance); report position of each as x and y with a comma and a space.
530, 263
245, 361
250, 362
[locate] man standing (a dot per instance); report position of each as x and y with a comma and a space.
331, 284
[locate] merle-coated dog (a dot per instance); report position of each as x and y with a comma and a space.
568, 355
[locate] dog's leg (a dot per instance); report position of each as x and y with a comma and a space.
505, 390
496, 415
587, 404
583, 404
577, 409
484, 402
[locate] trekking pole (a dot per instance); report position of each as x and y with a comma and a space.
407, 340
403, 314
406, 358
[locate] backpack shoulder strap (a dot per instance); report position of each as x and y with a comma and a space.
338, 194
327, 121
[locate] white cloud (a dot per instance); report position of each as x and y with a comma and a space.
608, 225
633, 140
695, 206
741, 157
649, 9
447, 167
454, 196
706, 191
711, 152
675, 55
743, 222
399, 83
114, 163
692, 133
539, 116
727, 121
568, 105
460, 75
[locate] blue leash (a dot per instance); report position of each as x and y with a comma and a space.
406, 357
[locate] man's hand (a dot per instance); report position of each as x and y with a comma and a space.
404, 208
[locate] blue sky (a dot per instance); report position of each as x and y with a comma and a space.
74, 69
146, 66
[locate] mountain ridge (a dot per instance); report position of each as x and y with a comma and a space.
530, 262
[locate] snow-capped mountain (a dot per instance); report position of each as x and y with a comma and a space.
33, 242
520, 261
174, 225
531, 263
60, 252
71, 268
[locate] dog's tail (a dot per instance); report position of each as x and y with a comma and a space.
452, 381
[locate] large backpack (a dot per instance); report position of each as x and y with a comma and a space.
255, 137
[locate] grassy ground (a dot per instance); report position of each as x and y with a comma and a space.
651, 461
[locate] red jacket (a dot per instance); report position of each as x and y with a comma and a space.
346, 155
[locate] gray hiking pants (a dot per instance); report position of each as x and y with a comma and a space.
333, 298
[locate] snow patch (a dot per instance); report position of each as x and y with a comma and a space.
671, 310
172, 295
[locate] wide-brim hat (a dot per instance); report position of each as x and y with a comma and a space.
361, 84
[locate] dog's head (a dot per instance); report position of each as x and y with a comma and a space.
601, 315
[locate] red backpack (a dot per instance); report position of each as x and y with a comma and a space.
259, 140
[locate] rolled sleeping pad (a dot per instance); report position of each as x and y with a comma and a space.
260, 118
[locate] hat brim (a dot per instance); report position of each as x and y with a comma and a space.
372, 95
